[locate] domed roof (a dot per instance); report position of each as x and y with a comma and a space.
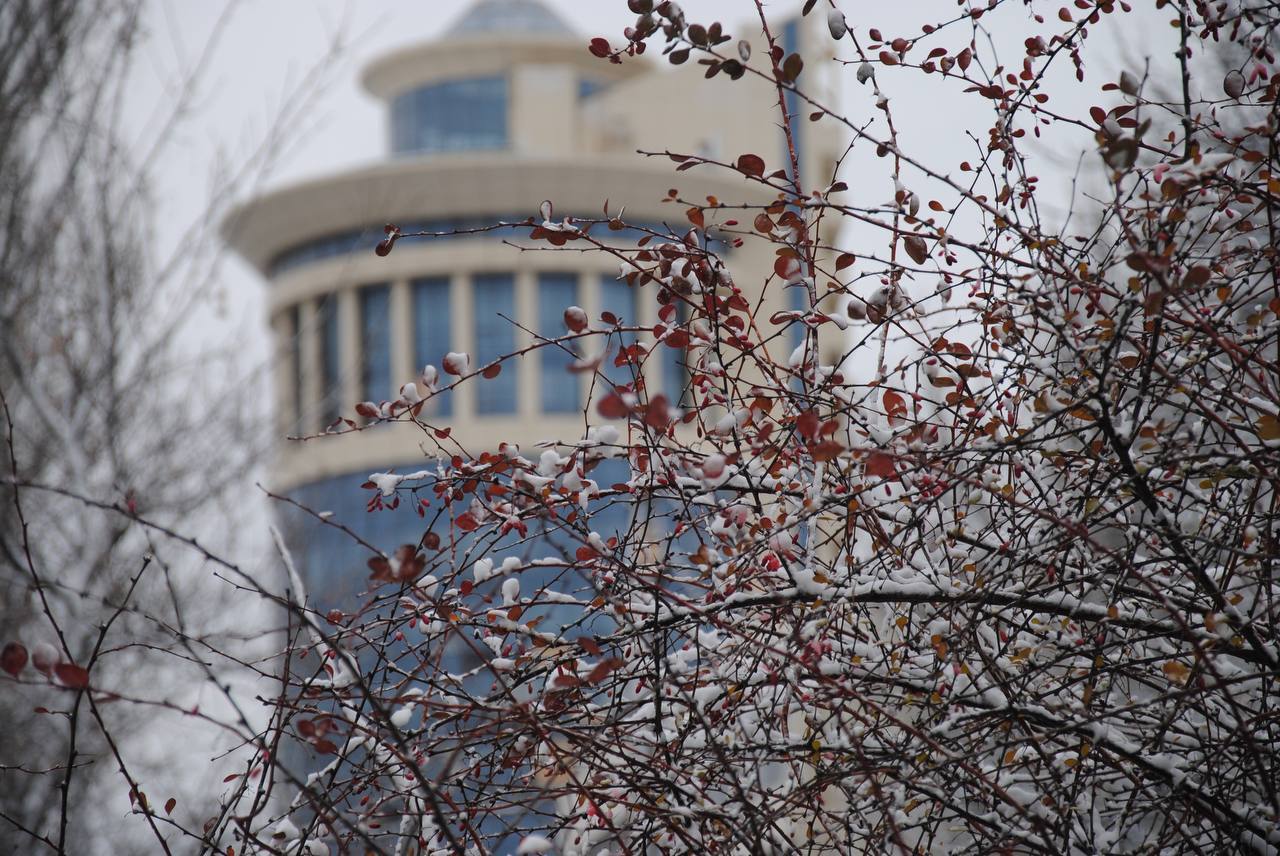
509, 16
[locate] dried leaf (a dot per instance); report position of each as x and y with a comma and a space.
916, 248
603, 669
791, 68
1268, 427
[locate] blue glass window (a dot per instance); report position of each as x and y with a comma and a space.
675, 369
330, 359
362, 241
375, 342
799, 302
431, 339
494, 296
588, 87
790, 45
295, 369
451, 116
620, 299
557, 292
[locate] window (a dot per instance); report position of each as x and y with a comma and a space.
431, 339
798, 301
362, 241
375, 342
675, 368
295, 369
494, 296
451, 116
620, 299
557, 292
330, 359
790, 45
588, 87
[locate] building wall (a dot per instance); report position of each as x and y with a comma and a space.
572, 127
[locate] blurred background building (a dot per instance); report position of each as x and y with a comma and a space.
506, 109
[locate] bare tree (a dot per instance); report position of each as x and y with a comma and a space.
114, 411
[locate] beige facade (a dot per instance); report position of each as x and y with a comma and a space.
565, 128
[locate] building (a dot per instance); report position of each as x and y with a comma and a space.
506, 109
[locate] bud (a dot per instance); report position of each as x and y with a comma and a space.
44, 657
456, 363
575, 319
837, 26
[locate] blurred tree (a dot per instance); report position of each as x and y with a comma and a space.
116, 406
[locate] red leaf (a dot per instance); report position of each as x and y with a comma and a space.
169, 805
71, 675
786, 268
14, 658
492, 371
657, 415
751, 165
844, 260
599, 47
586, 554
880, 464
1097, 114
827, 450
676, 339
807, 424
895, 406
613, 407
367, 409
589, 645
325, 747
466, 522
